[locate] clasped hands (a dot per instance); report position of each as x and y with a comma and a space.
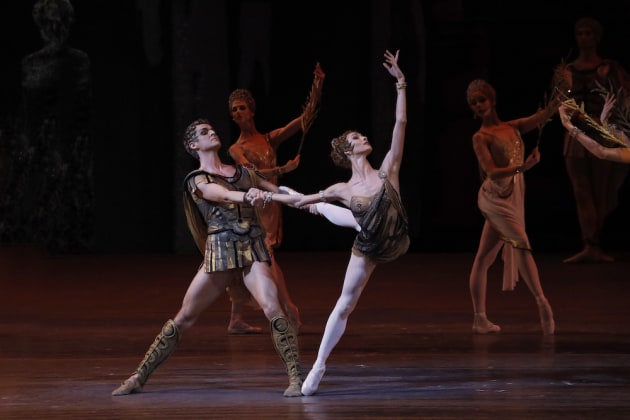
256, 197
260, 198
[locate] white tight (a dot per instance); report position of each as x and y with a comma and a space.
358, 273
340, 216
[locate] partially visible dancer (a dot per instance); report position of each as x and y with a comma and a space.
373, 196
500, 154
619, 151
595, 182
49, 198
260, 150
219, 202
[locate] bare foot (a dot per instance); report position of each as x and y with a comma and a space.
546, 316
589, 256
483, 326
242, 327
130, 386
293, 390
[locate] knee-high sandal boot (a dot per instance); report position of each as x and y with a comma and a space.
162, 347
285, 341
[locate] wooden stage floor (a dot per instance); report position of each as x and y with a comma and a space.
73, 327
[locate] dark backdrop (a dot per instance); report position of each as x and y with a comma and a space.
157, 65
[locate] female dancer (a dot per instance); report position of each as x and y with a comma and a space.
500, 153
373, 197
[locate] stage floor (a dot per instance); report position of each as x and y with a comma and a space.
73, 327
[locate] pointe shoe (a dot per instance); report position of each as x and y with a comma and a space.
242, 327
310, 385
130, 386
483, 326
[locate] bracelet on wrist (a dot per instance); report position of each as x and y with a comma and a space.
401, 85
321, 196
246, 198
267, 199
